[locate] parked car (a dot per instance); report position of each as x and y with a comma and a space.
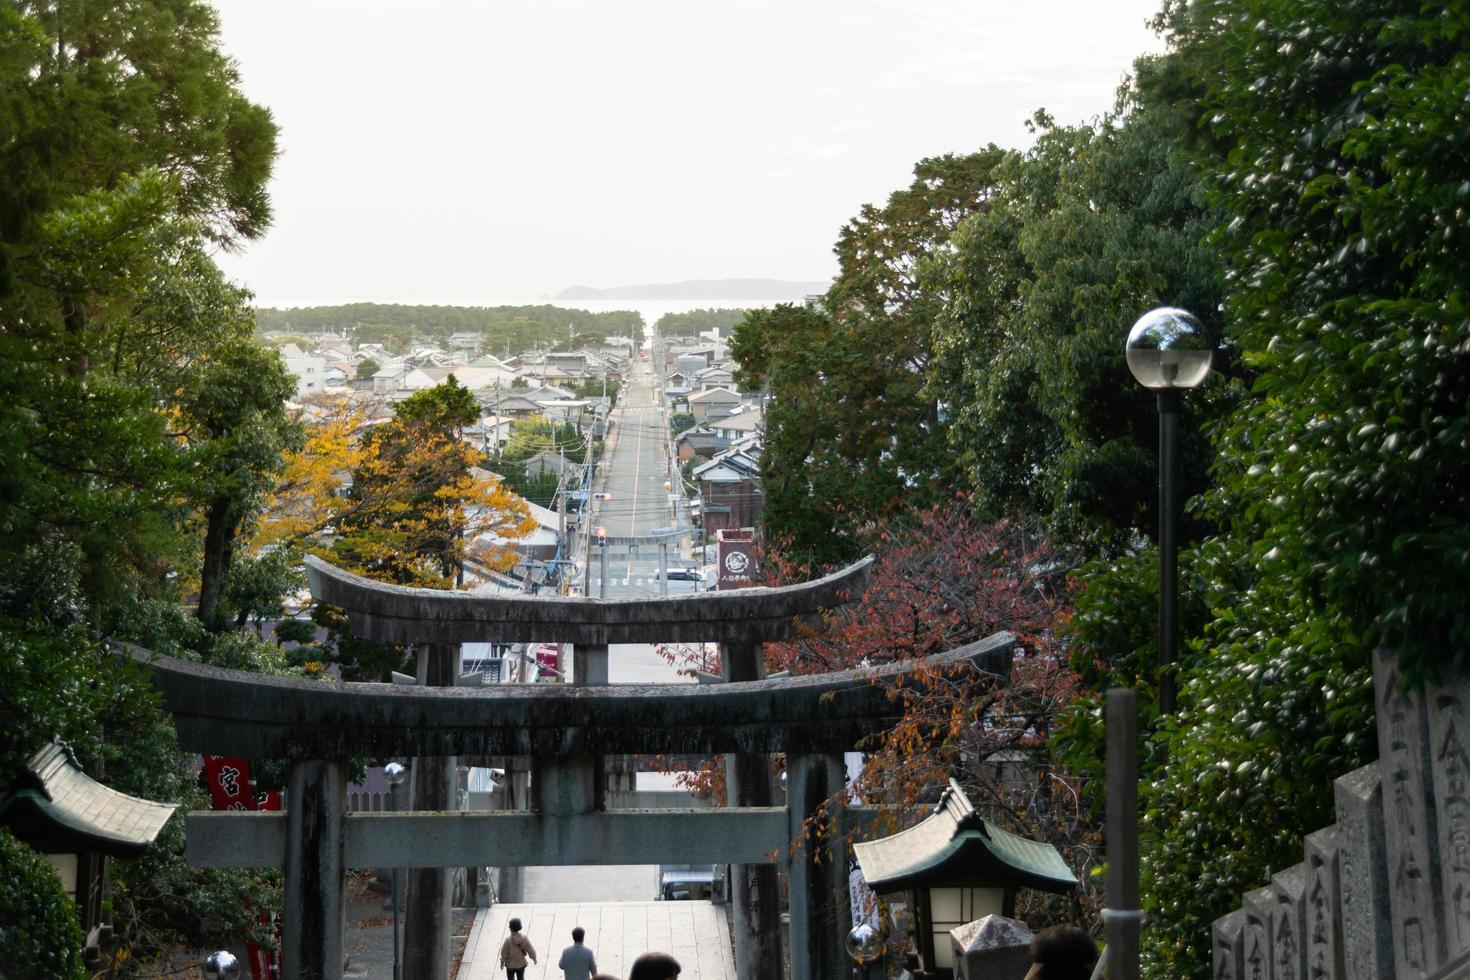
685, 579
685, 883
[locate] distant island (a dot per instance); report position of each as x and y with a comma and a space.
774, 290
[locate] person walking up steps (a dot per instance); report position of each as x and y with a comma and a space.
577, 961
515, 951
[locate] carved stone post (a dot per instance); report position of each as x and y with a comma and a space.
1449, 729
1257, 906
1409, 824
1289, 924
754, 895
426, 906
315, 893
1363, 875
820, 918
1324, 940
1228, 937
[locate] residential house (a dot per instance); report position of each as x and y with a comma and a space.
740, 424
717, 376
490, 434
549, 461
699, 441
690, 364
510, 403
730, 492
491, 361
309, 369
465, 340
564, 409
390, 375
476, 379
716, 403
539, 544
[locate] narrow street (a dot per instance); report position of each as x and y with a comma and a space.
614, 904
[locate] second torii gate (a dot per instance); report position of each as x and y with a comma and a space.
565, 730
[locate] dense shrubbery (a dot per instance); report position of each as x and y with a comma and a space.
38, 922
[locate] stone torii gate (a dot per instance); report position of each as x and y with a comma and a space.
565, 730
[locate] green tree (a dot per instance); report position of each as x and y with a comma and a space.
1088, 229
236, 430
424, 505
694, 322
366, 368
1342, 480
851, 434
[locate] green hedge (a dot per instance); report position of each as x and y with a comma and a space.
39, 931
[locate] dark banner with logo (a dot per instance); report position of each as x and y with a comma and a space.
736, 551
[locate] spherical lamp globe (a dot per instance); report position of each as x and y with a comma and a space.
866, 943
221, 965
1168, 348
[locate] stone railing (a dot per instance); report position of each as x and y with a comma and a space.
1385, 892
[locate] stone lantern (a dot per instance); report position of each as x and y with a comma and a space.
957, 867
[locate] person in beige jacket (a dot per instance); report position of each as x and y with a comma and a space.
515, 951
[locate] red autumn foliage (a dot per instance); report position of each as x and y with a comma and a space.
940, 580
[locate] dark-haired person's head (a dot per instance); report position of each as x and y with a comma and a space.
578, 933
515, 925
654, 966
1062, 953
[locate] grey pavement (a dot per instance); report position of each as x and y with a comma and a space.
694, 933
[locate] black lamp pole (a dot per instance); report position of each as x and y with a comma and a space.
1168, 548
1168, 351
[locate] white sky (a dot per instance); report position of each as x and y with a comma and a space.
468, 151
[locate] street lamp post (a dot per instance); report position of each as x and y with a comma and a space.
1167, 352
395, 773
602, 563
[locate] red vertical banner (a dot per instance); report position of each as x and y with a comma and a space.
229, 789
229, 782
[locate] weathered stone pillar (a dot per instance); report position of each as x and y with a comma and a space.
426, 906
567, 785
589, 664
511, 886
582, 781
755, 897
315, 889
820, 919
